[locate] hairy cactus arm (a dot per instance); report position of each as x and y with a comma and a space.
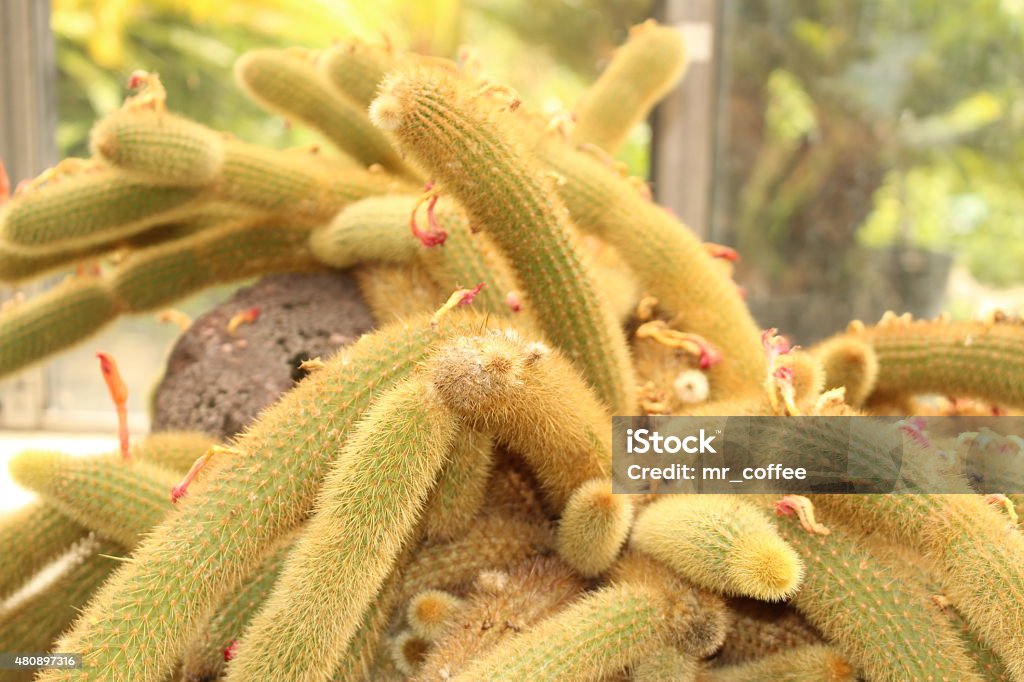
368, 508
240, 505
436, 119
641, 72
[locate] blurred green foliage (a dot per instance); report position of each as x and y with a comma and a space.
880, 123
547, 49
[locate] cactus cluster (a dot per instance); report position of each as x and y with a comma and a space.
434, 501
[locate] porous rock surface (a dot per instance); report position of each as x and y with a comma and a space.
218, 383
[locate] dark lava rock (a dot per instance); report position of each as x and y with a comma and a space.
218, 383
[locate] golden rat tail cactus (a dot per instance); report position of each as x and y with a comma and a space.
435, 501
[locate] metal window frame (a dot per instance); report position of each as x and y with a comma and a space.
683, 126
28, 121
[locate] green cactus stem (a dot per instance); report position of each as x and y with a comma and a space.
41, 534
159, 147
641, 72
879, 618
34, 623
239, 505
979, 562
459, 496
698, 298
288, 83
55, 320
377, 229
204, 656
356, 69
368, 507
89, 208
119, 500
721, 543
983, 360
462, 144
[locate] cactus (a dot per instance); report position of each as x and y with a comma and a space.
434, 502
529, 224
604, 632
274, 457
286, 82
729, 547
204, 655
594, 526
63, 316
888, 628
970, 359
159, 147
118, 500
356, 69
849, 363
32, 624
41, 534
352, 518
460, 492
966, 540
641, 73
698, 298
500, 605
759, 629
91, 207
377, 229
814, 663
